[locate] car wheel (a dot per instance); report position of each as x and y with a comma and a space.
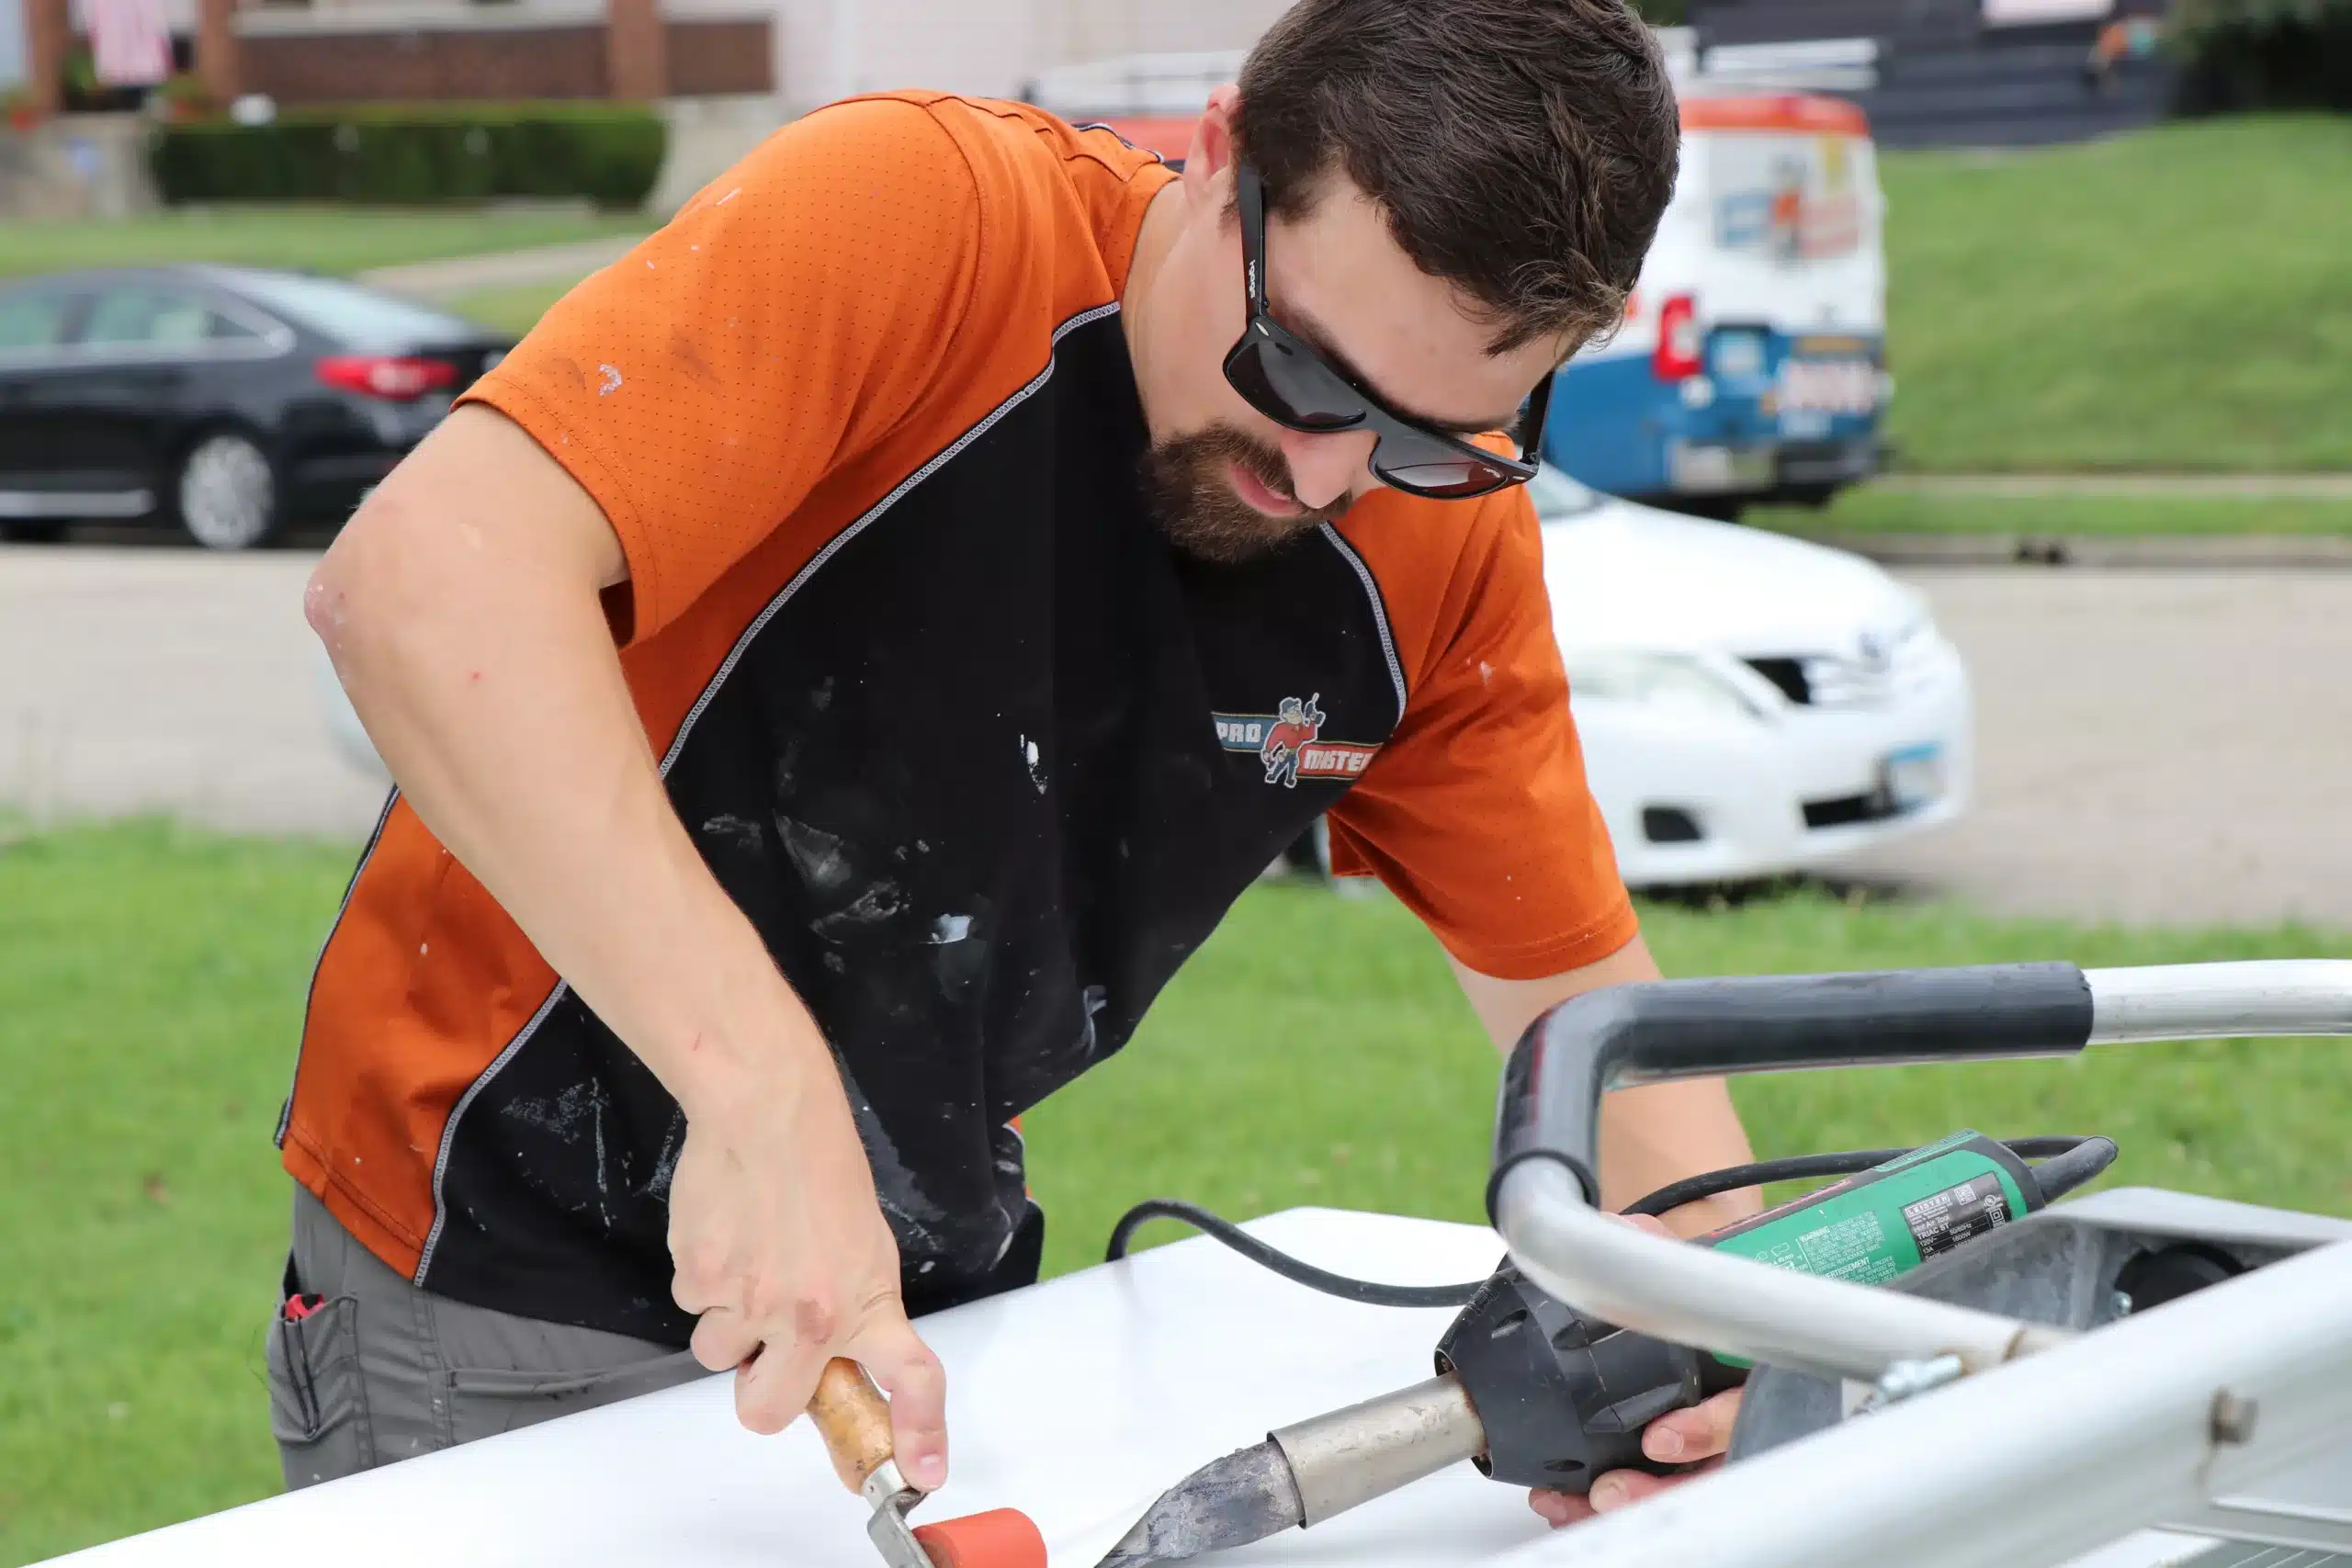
227, 494
42, 533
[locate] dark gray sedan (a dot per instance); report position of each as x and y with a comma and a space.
227, 402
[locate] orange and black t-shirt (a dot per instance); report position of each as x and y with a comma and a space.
980, 756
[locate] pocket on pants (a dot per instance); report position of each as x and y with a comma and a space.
486, 1401
318, 1406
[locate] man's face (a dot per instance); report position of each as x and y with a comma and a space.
1226, 482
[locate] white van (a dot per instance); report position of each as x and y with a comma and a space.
1752, 364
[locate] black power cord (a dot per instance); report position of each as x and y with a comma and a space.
2067, 1163
1370, 1292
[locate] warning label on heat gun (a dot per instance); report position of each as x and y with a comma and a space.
1941, 1221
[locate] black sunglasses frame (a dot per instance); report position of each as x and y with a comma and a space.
1416, 439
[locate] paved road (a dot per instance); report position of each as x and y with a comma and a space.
165, 679
2156, 746
2163, 747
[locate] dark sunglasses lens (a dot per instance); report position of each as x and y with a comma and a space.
1435, 470
1290, 387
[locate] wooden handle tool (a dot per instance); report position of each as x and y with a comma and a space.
853, 1418
855, 1422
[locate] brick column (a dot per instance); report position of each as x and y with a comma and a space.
216, 48
637, 51
48, 34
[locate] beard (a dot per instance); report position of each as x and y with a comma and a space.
1196, 506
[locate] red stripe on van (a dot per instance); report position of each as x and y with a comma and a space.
1806, 112
1170, 136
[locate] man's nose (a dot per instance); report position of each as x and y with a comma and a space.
1325, 469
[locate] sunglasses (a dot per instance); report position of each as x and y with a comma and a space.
1288, 379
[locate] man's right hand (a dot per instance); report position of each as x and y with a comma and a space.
781, 1252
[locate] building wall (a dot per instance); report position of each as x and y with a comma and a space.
355, 62
339, 67
829, 48
75, 166
718, 58
1094, 29
820, 50
12, 42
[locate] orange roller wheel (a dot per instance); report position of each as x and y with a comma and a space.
1002, 1538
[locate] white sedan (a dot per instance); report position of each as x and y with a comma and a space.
1750, 704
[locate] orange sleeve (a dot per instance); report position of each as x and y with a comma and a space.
784, 322
1475, 813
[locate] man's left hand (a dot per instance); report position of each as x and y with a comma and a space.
1698, 1435
1695, 1436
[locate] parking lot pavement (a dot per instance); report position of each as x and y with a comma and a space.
2154, 747
147, 679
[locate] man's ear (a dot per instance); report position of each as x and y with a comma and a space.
1211, 153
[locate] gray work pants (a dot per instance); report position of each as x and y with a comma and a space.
381, 1371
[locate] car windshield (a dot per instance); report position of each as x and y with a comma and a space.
1556, 495
359, 318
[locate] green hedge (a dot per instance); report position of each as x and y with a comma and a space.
413, 154
2264, 54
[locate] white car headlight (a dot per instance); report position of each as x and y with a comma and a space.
1664, 681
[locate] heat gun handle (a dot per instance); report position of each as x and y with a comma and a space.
1550, 1104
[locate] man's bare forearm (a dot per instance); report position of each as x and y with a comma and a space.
1651, 1136
1662, 1132
461, 610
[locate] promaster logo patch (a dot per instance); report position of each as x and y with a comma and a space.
1289, 742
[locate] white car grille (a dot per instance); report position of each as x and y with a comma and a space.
1876, 673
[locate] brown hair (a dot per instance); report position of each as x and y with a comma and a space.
1522, 150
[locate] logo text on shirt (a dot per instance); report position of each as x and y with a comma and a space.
1289, 742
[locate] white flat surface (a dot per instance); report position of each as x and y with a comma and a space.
1079, 1402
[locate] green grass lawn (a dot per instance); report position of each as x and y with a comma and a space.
1869, 508
325, 239
517, 309
2174, 298
152, 978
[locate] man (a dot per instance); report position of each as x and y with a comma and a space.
827, 668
